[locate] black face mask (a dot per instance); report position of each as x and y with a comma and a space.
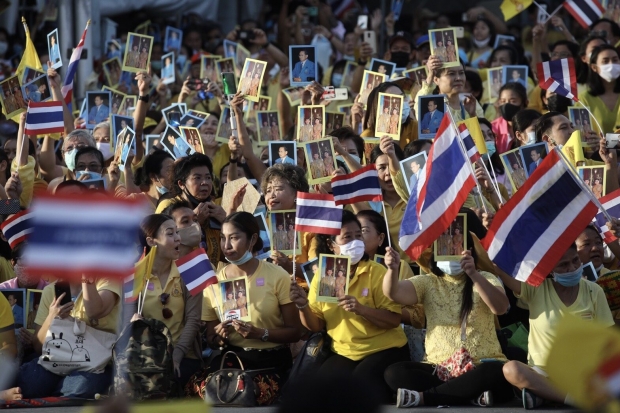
508, 111
401, 59
558, 103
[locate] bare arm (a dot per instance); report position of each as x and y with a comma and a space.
380, 317
260, 38
289, 333
97, 304
144, 82
254, 163
22, 147
401, 292
47, 160
56, 85
307, 317
494, 297
513, 284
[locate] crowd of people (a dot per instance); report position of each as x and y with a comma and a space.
395, 321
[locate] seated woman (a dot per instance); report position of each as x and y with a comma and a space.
8, 350
263, 341
564, 292
365, 325
167, 298
96, 301
460, 303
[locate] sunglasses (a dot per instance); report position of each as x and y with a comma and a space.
165, 312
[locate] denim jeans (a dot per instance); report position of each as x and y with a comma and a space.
35, 382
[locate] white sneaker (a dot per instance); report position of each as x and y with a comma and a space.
484, 400
407, 398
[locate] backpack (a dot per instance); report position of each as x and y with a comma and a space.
143, 361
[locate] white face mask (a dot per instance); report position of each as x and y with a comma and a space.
104, 148
70, 159
482, 43
354, 249
531, 138
451, 268
609, 72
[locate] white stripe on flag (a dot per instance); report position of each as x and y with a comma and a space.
566, 74
200, 280
594, 7
323, 223
317, 203
45, 109
57, 213
52, 257
361, 192
356, 178
192, 262
546, 70
581, 14
40, 126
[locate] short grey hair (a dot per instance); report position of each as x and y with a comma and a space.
80, 134
101, 125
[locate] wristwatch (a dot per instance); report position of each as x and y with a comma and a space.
265, 336
144, 98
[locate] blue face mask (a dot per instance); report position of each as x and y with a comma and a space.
406, 109
161, 189
70, 159
569, 279
44, 67
246, 257
336, 79
490, 149
93, 175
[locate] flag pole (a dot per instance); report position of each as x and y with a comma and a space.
496, 186
464, 153
294, 252
553, 13
217, 304
583, 186
593, 117
387, 226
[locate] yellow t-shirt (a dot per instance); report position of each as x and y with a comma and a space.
6, 270
6, 315
609, 119
353, 336
109, 323
268, 290
441, 297
547, 310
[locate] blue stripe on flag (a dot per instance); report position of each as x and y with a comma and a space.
535, 220
96, 235
45, 117
444, 172
364, 183
322, 213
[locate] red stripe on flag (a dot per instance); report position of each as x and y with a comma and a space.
317, 230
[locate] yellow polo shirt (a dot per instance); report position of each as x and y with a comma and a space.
353, 336
109, 323
268, 290
609, 119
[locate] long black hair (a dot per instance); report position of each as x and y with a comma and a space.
324, 242
595, 81
379, 222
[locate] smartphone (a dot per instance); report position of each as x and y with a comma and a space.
197, 84
246, 35
338, 93
63, 287
362, 22
371, 39
460, 32
230, 83
612, 140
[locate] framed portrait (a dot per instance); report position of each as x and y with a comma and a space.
268, 126
264, 103
168, 70
234, 299
444, 45
382, 66
37, 90
412, 169
494, 83
191, 121
303, 67
451, 244
172, 115
153, 143
310, 269
97, 108
242, 55
251, 79
208, 67
334, 278
198, 114
589, 272
282, 229
224, 66
431, 109
192, 137
173, 39
320, 160
112, 70
532, 156
388, 121
594, 178
284, 152
17, 299
125, 146
418, 75
335, 120
265, 235
137, 52
33, 299
346, 110
129, 102
370, 80
310, 123
118, 123
175, 144
583, 122
293, 94
12, 97
513, 164
347, 75
113, 49
369, 145
53, 49
515, 74
379, 259
31, 73
224, 130
230, 49
117, 98
503, 40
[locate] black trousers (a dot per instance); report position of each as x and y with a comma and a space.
371, 368
458, 391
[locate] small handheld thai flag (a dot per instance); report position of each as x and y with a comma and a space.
611, 203
585, 12
318, 213
470, 145
196, 271
559, 76
361, 185
67, 88
534, 228
43, 118
72, 236
17, 228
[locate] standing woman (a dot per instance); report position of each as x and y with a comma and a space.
603, 94
167, 298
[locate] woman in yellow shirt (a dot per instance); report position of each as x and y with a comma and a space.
365, 325
460, 303
603, 94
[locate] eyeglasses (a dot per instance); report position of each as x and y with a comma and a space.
165, 312
93, 167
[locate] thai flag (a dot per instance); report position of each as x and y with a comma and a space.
358, 186
72, 236
318, 213
67, 88
470, 145
611, 202
609, 371
559, 76
584, 11
196, 271
43, 118
17, 228
441, 190
534, 228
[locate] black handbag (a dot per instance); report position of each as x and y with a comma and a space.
316, 350
233, 386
